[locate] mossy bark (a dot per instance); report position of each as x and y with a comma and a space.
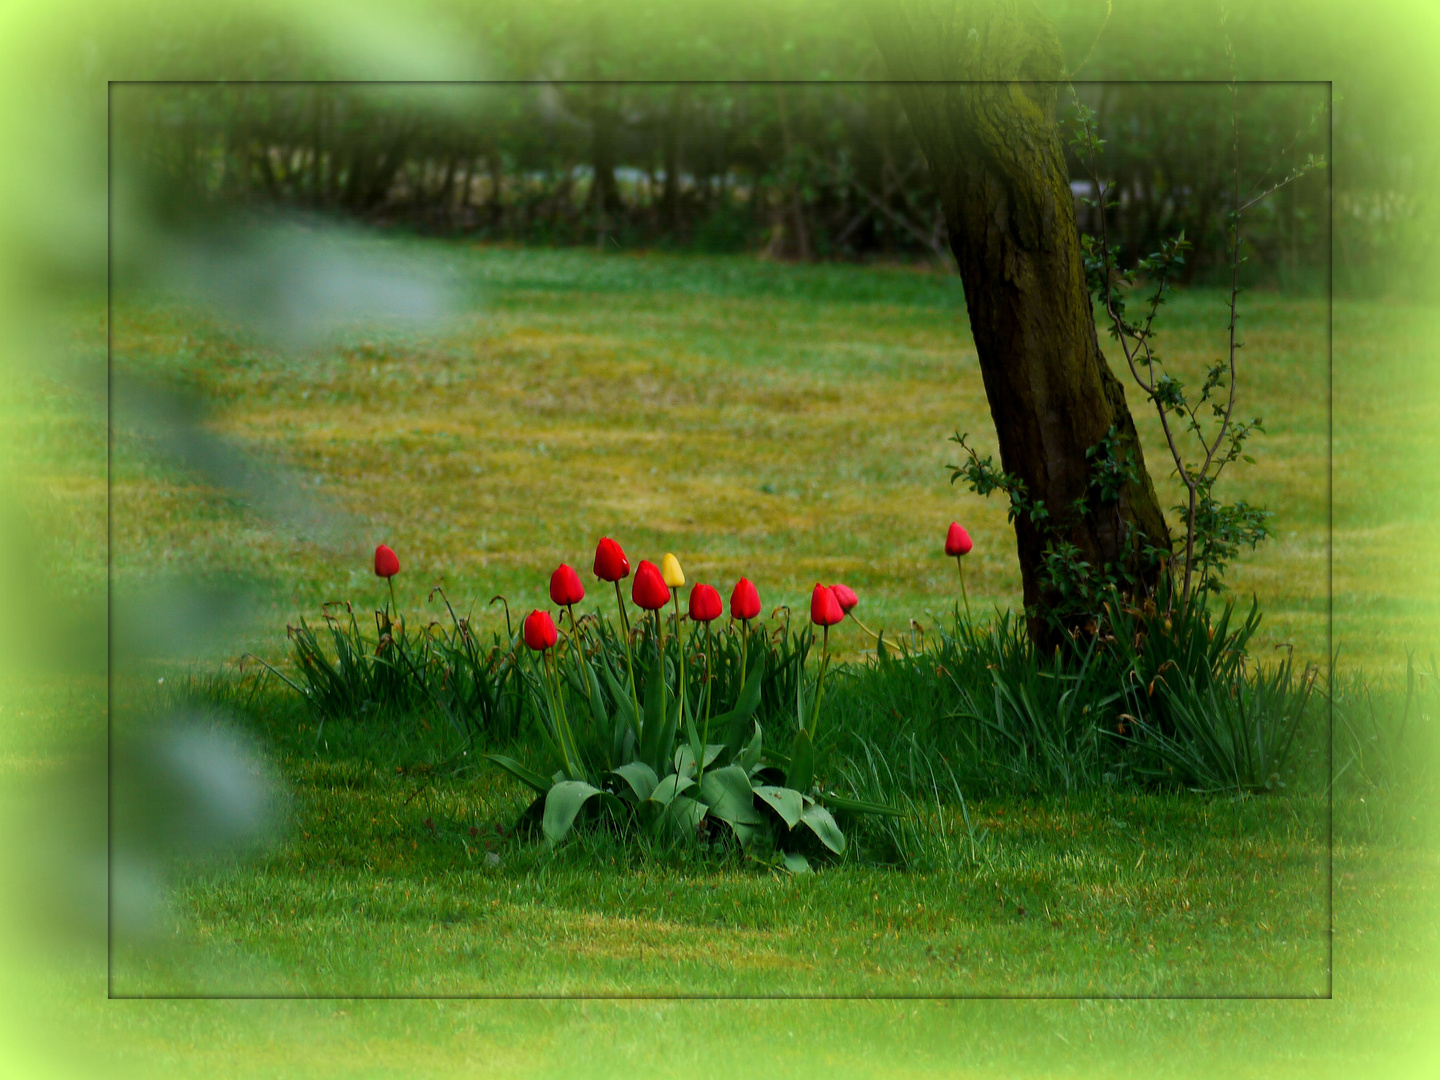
981, 82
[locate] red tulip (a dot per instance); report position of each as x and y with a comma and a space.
705, 603
540, 631
845, 597
610, 561
649, 591
744, 601
957, 540
565, 587
824, 608
386, 563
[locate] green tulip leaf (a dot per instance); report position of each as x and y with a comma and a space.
728, 794
666, 790
858, 806
654, 709
682, 815
685, 757
795, 862
823, 826
749, 758
640, 777
734, 721
527, 776
802, 763
562, 805
784, 801
620, 695
664, 751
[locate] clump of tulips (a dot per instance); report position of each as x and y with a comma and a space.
640, 739
649, 717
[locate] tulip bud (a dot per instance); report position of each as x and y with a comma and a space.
705, 603
957, 540
565, 587
386, 562
745, 600
845, 596
539, 631
824, 608
649, 591
671, 572
610, 561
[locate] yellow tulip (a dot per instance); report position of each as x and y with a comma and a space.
670, 571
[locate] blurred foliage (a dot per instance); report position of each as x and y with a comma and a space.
817, 171
821, 170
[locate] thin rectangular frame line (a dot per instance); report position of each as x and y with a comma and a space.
1329, 539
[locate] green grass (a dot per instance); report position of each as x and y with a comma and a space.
725, 376
786, 423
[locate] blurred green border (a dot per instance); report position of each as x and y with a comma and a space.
55, 59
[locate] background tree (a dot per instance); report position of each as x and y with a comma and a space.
980, 87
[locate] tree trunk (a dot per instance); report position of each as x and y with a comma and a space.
995, 156
670, 199
604, 194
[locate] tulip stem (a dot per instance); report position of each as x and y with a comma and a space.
390, 581
820, 682
629, 660
680, 647
862, 626
705, 738
568, 749
960, 563
744, 640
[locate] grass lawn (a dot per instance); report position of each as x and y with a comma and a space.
790, 424
787, 423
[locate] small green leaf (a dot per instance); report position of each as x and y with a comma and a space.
823, 826
666, 791
682, 815
640, 777
785, 801
795, 862
684, 759
728, 794
749, 758
562, 805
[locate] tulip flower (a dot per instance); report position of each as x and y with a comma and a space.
649, 590
846, 598
539, 631
824, 607
565, 587
744, 605
957, 541
958, 545
610, 561
670, 570
744, 601
705, 604
387, 565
